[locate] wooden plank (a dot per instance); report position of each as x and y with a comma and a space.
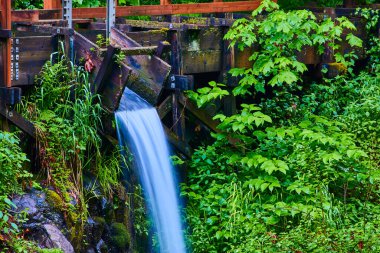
105, 69
17, 120
169, 9
165, 107
148, 38
149, 73
207, 61
30, 15
149, 10
139, 50
112, 90
29, 56
178, 144
91, 34
85, 49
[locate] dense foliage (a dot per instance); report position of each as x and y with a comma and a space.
300, 171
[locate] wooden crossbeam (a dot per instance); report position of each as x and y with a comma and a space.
139, 50
149, 10
169, 9
17, 120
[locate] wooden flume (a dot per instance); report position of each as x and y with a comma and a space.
163, 57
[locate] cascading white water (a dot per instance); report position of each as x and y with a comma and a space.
139, 127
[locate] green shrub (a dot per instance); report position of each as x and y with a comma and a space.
12, 161
301, 175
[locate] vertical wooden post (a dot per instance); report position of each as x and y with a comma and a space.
176, 62
52, 4
6, 55
6, 52
228, 62
165, 2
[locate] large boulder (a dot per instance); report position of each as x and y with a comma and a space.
45, 221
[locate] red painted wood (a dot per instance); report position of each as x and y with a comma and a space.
149, 10
169, 9
6, 50
52, 4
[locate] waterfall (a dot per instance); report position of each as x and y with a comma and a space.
139, 127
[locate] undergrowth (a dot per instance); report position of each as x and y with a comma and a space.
67, 117
299, 172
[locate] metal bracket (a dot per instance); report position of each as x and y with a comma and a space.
15, 58
68, 12
63, 31
111, 17
181, 82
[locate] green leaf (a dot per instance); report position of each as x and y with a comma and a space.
354, 41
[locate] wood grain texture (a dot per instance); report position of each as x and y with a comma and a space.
149, 10
149, 73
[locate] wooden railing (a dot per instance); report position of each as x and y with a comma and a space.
165, 8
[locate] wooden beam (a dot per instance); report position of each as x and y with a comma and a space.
150, 50
6, 49
105, 69
199, 113
165, 107
169, 9
149, 73
18, 120
149, 10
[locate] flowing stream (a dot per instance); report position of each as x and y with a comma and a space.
139, 127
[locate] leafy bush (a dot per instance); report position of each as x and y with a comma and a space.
302, 174
12, 161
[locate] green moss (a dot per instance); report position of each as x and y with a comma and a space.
119, 236
100, 220
50, 251
55, 200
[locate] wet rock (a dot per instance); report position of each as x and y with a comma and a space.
101, 247
26, 202
38, 210
57, 239
93, 231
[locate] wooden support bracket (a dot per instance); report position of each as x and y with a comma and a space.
16, 119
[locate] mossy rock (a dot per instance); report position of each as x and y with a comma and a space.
54, 200
100, 225
120, 238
